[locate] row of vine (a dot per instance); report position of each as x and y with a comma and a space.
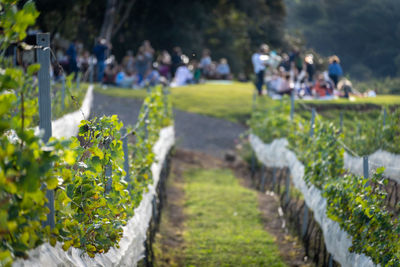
356, 203
93, 198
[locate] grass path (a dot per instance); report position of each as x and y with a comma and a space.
223, 224
211, 219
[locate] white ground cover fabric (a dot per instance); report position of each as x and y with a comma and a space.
380, 158
67, 125
337, 241
131, 249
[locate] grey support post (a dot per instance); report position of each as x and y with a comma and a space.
126, 155
263, 174
305, 215
287, 187
43, 58
366, 169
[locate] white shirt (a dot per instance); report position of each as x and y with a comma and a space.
182, 76
258, 63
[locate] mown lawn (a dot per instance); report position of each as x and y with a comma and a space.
233, 102
223, 224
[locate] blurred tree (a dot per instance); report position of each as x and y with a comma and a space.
364, 33
229, 28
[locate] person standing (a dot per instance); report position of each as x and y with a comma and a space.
310, 68
335, 70
100, 51
259, 60
72, 57
176, 59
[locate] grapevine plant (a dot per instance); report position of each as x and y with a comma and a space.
357, 205
96, 201
27, 165
92, 199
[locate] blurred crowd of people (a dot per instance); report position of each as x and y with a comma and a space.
297, 73
146, 67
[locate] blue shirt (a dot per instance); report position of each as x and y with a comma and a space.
335, 69
71, 52
100, 52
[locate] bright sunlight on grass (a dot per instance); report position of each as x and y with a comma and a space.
233, 102
223, 224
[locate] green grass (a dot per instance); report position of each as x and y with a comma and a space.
70, 105
223, 225
380, 100
233, 102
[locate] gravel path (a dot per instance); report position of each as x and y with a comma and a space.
193, 131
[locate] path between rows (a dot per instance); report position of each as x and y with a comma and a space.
193, 131
202, 143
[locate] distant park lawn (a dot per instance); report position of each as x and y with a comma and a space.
234, 101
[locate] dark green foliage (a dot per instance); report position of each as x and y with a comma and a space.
91, 206
358, 207
231, 29
363, 33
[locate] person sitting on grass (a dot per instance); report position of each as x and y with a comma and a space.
223, 71
183, 75
322, 89
152, 78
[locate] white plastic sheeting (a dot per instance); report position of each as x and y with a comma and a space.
131, 249
337, 241
67, 125
380, 158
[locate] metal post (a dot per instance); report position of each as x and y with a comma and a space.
43, 58
15, 60
384, 117
305, 215
292, 105
146, 131
273, 178
126, 155
366, 169
304, 227
287, 187
253, 164
341, 121
254, 101
63, 92
165, 98
91, 69
262, 184
312, 123
330, 261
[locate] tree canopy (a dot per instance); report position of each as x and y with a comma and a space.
365, 34
229, 28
